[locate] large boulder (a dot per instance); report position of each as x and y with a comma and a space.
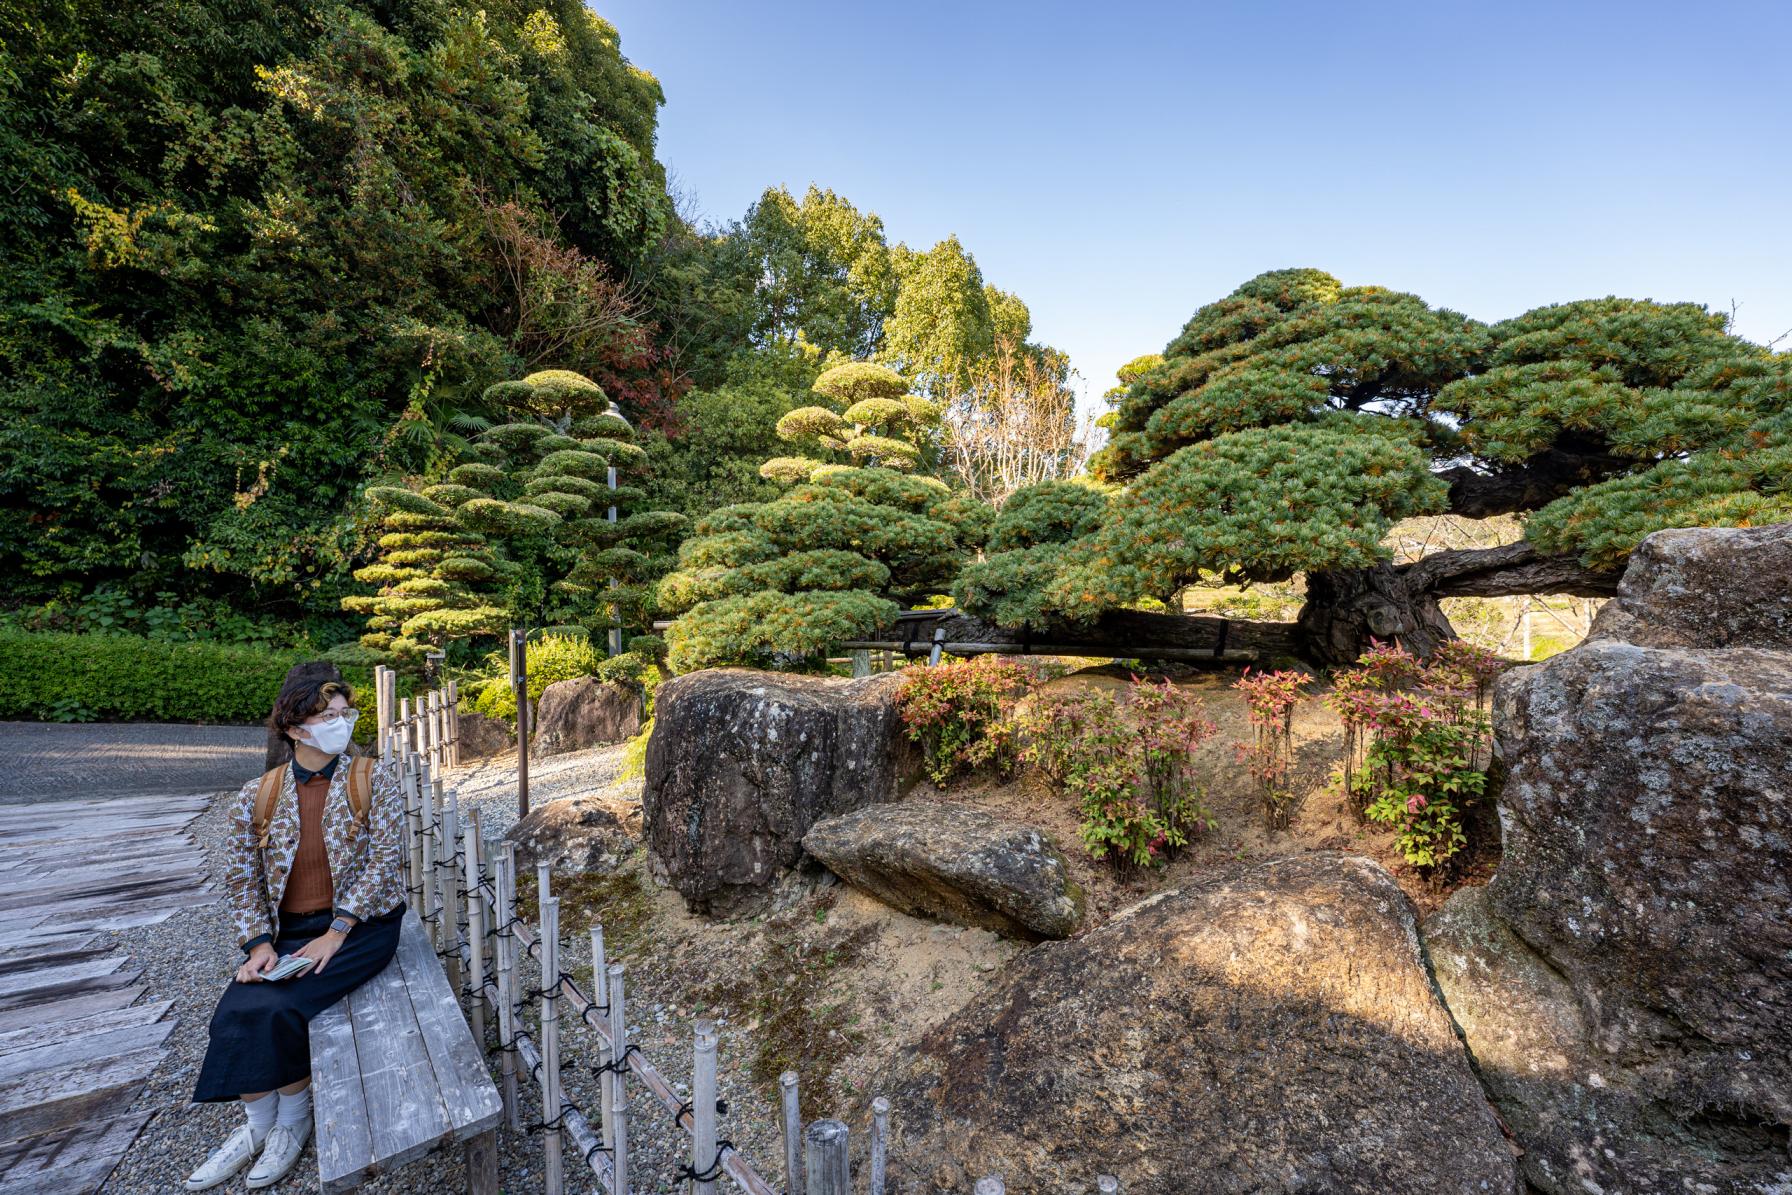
1625, 980
481, 736
585, 712
1270, 1027
1705, 587
955, 863
742, 763
594, 832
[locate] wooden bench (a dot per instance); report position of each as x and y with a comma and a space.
396, 1073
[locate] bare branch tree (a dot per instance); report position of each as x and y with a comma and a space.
1012, 422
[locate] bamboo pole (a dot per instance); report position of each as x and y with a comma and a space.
583, 1136
451, 883
475, 921
431, 910
554, 1169
454, 724
506, 885
880, 1133
703, 1108
825, 1160
617, 1077
793, 1131
935, 647
599, 989
413, 820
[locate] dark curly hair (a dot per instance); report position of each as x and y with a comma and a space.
307, 690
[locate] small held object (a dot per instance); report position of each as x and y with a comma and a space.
291, 965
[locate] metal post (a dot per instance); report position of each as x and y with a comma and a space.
519, 682
793, 1131
703, 1108
619, 1085
825, 1161
555, 1175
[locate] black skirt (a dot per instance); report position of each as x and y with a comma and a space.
261, 1032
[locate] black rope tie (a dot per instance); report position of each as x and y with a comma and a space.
715, 1168
617, 1065
598, 1147
689, 1107
544, 1126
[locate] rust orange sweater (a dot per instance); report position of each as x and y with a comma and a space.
308, 886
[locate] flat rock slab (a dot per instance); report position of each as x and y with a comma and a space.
1271, 1027
954, 863
585, 712
1706, 587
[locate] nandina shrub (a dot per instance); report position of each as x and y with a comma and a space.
1418, 742
1129, 764
961, 713
1271, 697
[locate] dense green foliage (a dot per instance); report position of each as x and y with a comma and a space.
1026, 551
1291, 423
60, 677
253, 254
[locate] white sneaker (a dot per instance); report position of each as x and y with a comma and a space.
277, 1156
238, 1150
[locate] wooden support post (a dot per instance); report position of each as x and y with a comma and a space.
475, 923
599, 971
454, 724
861, 662
880, 1134
793, 1131
619, 1085
703, 1109
554, 1175
519, 682
825, 1161
507, 982
482, 1164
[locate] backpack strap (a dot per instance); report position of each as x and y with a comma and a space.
265, 796
360, 786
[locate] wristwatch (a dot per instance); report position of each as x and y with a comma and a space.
342, 925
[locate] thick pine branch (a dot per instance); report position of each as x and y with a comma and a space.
1507, 571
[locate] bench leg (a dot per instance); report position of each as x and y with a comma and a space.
482, 1164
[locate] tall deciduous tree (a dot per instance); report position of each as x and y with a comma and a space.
1292, 422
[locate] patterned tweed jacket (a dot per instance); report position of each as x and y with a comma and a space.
365, 862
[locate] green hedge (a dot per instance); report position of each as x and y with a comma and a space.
82, 678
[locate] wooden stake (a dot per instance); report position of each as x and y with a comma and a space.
555, 1174
825, 1160
703, 1108
619, 1085
793, 1132
880, 1132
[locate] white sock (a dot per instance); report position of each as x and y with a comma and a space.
295, 1109
261, 1113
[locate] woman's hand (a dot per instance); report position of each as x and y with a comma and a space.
261, 957
322, 948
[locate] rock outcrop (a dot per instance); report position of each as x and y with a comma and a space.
585, 712
741, 764
1625, 980
596, 832
1270, 1027
954, 863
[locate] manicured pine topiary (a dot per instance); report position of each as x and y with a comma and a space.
782, 582
866, 417
1027, 548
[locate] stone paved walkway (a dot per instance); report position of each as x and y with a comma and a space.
51, 761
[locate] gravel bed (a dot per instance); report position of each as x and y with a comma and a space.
191, 957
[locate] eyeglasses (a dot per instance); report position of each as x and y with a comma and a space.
348, 715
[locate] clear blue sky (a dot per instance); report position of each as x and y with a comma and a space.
1117, 165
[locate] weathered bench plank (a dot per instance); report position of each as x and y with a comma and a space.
398, 1073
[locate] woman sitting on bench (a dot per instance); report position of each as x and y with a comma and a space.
313, 870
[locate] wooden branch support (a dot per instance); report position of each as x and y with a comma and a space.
825, 1162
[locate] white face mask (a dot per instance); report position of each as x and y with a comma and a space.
331, 735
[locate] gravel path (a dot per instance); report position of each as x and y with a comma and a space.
191, 957
55, 761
